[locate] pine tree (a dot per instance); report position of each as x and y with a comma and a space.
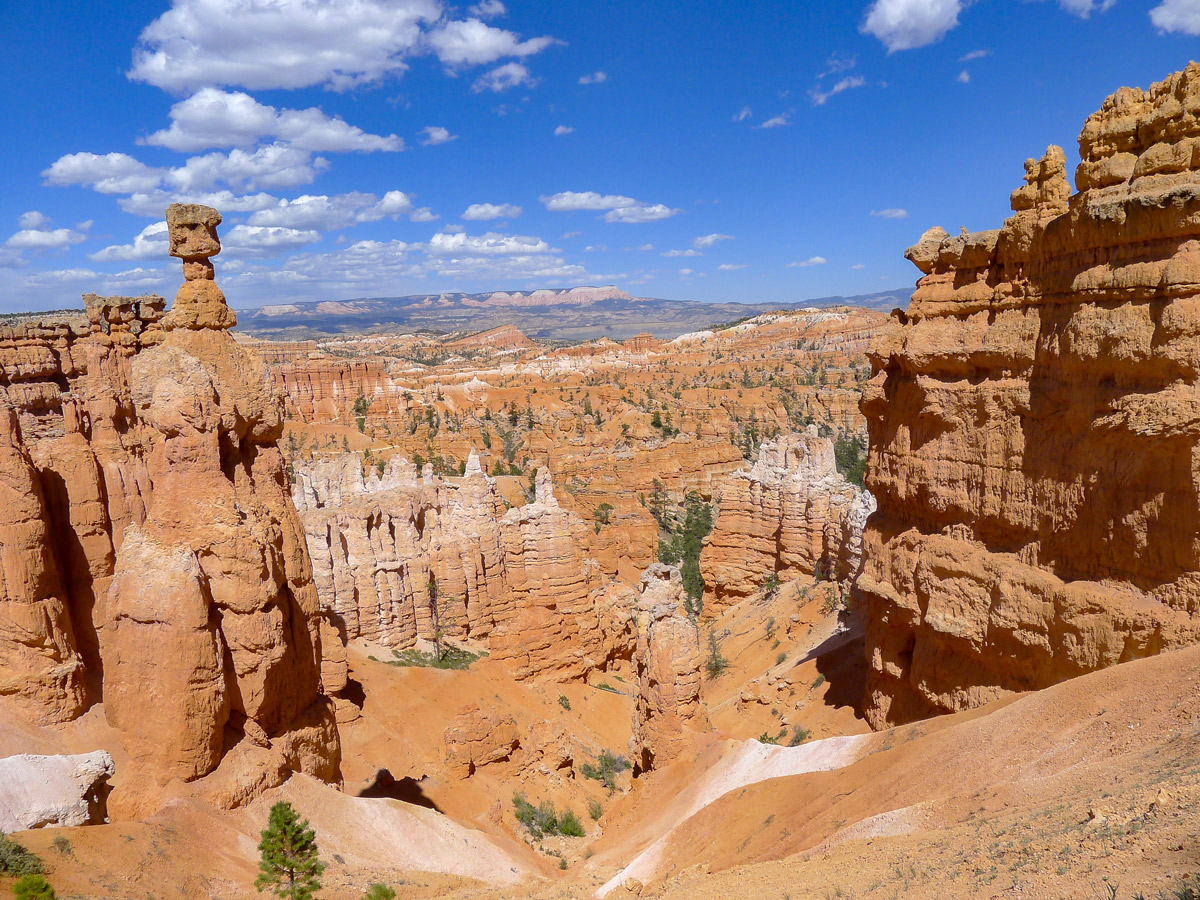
290, 864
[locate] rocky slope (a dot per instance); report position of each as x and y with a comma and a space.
152, 558
791, 513
1033, 427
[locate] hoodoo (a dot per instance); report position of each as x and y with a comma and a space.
1033, 427
158, 556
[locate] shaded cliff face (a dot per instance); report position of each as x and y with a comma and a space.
791, 513
1033, 425
155, 562
514, 579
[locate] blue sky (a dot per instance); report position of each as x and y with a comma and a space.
759, 152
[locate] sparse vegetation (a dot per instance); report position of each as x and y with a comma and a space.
379, 891
595, 810
715, 663
564, 702
543, 820
818, 681
16, 860
849, 454
451, 658
800, 734
684, 542
606, 769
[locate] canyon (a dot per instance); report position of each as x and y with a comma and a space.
819, 602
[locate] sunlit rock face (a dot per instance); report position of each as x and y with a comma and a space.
791, 513
1033, 427
152, 558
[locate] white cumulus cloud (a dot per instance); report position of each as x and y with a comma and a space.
482, 212
436, 134
45, 239
1177, 16
688, 252
618, 207
301, 43
743, 113
215, 118
272, 166
259, 240
502, 78
905, 24
109, 173
731, 267
890, 213
594, 78
806, 263
150, 243
563, 129
1084, 8
710, 240
490, 244
332, 212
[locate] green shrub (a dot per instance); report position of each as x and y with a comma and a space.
451, 658
595, 810
849, 454
608, 766
33, 887
16, 860
781, 657
818, 681
765, 738
715, 663
379, 891
564, 702
799, 736
569, 824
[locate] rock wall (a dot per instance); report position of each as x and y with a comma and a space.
791, 513
667, 664
151, 556
515, 580
1033, 426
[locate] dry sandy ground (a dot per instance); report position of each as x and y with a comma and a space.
1060, 793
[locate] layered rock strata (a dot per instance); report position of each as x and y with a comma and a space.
392, 549
1034, 427
667, 664
152, 558
791, 513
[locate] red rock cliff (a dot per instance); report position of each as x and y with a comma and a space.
1033, 423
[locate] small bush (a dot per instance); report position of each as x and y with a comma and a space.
62, 845
605, 686
33, 887
379, 891
608, 766
452, 658
16, 860
799, 736
781, 657
818, 681
771, 627
595, 810
544, 820
562, 863
715, 663
569, 824
765, 738
564, 702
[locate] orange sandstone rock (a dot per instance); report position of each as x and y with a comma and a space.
667, 664
1034, 428
791, 513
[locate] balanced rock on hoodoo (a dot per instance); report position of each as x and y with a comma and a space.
1034, 427
199, 303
